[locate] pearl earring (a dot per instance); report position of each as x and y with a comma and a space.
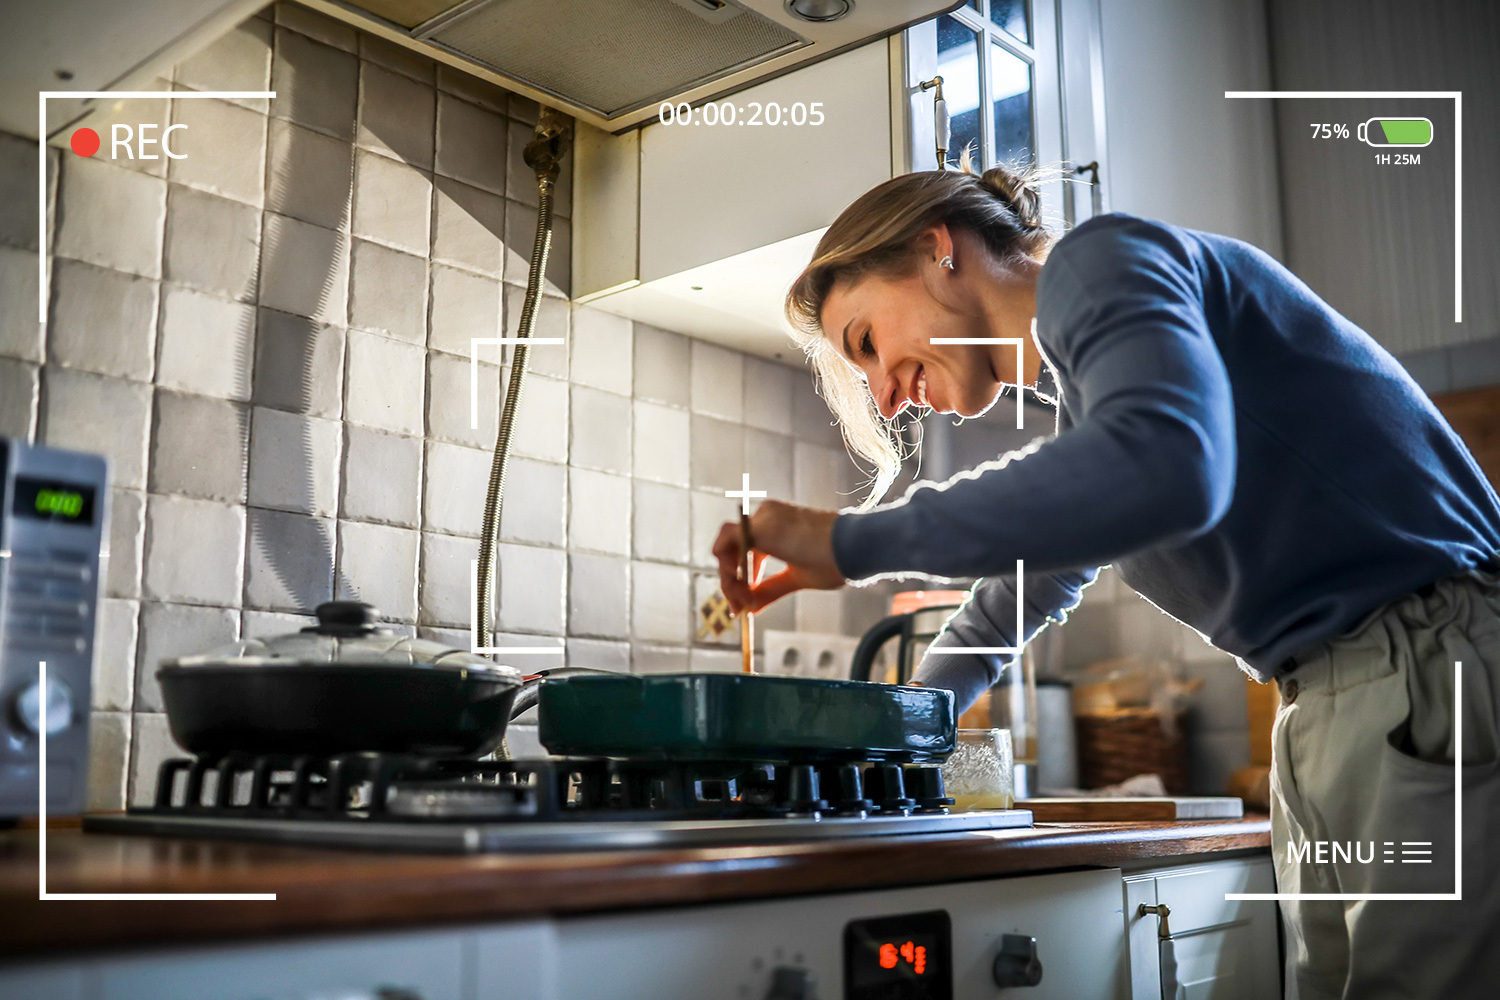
946, 261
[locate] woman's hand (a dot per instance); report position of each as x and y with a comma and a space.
801, 537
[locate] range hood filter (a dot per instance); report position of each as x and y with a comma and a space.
613, 58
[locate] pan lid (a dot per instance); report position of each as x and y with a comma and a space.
347, 633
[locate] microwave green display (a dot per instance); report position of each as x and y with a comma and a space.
53, 501
66, 504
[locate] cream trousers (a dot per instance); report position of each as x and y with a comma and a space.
1362, 783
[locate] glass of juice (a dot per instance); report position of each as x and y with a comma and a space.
981, 772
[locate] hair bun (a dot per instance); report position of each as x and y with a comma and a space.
1018, 191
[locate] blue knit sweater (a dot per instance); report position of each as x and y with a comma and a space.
1250, 461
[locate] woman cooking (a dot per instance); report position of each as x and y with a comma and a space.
1251, 462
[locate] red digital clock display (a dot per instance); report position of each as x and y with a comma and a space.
898, 958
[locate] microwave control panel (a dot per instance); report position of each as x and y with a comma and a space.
52, 513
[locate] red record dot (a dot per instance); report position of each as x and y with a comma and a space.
85, 142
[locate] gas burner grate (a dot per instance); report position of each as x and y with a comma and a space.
409, 788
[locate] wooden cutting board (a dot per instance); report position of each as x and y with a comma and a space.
1071, 810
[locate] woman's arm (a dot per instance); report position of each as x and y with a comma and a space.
1150, 461
988, 618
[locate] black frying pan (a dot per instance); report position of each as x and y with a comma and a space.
328, 708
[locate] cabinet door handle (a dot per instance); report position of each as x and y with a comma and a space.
941, 127
1096, 191
1166, 950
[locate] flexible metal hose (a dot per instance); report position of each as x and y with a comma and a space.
543, 154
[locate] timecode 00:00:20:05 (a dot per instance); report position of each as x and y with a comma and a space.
753, 113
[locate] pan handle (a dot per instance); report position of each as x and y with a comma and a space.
531, 689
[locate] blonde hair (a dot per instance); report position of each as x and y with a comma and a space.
878, 234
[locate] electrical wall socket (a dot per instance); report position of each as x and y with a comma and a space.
809, 654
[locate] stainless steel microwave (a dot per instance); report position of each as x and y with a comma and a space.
52, 515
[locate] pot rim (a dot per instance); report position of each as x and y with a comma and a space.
261, 664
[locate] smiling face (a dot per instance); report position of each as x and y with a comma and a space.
884, 326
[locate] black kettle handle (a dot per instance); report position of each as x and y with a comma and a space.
869, 645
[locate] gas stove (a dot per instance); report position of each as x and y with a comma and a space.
414, 803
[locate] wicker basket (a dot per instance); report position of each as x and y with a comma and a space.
1124, 742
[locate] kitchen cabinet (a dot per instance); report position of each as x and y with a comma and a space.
1175, 148
699, 228
1227, 950
503, 962
378, 967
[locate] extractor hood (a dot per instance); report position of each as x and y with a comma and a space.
613, 63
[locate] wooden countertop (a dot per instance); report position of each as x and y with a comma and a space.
323, 891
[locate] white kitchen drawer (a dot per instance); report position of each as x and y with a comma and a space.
429, 966
1226, 949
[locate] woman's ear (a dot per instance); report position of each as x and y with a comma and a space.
936, 245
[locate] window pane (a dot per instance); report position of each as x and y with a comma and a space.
1010, 99
974, 4
958, 63
1013, 16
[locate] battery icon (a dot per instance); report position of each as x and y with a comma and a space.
1396, 132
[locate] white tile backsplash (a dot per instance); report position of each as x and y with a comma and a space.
599, 512
718, 381
468, 226
396, 115
198, 447
225, 150
20, 390
769, 392
465, 306
660, 599
109, 758
541, 429
20, 333
392, 203
307, 175
113, 687
661, 520
206, 344
107, 416
661, 441
316, 84
288, 561
386, 382
294, 462
456, 479
388, 292
378, 565
470, 144
112, 218
194, 551
127, 526
212, 243
382, 476
304, 269
533, 589
444, 594
533, 508
102, 321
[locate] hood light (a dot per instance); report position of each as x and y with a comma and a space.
819, 10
